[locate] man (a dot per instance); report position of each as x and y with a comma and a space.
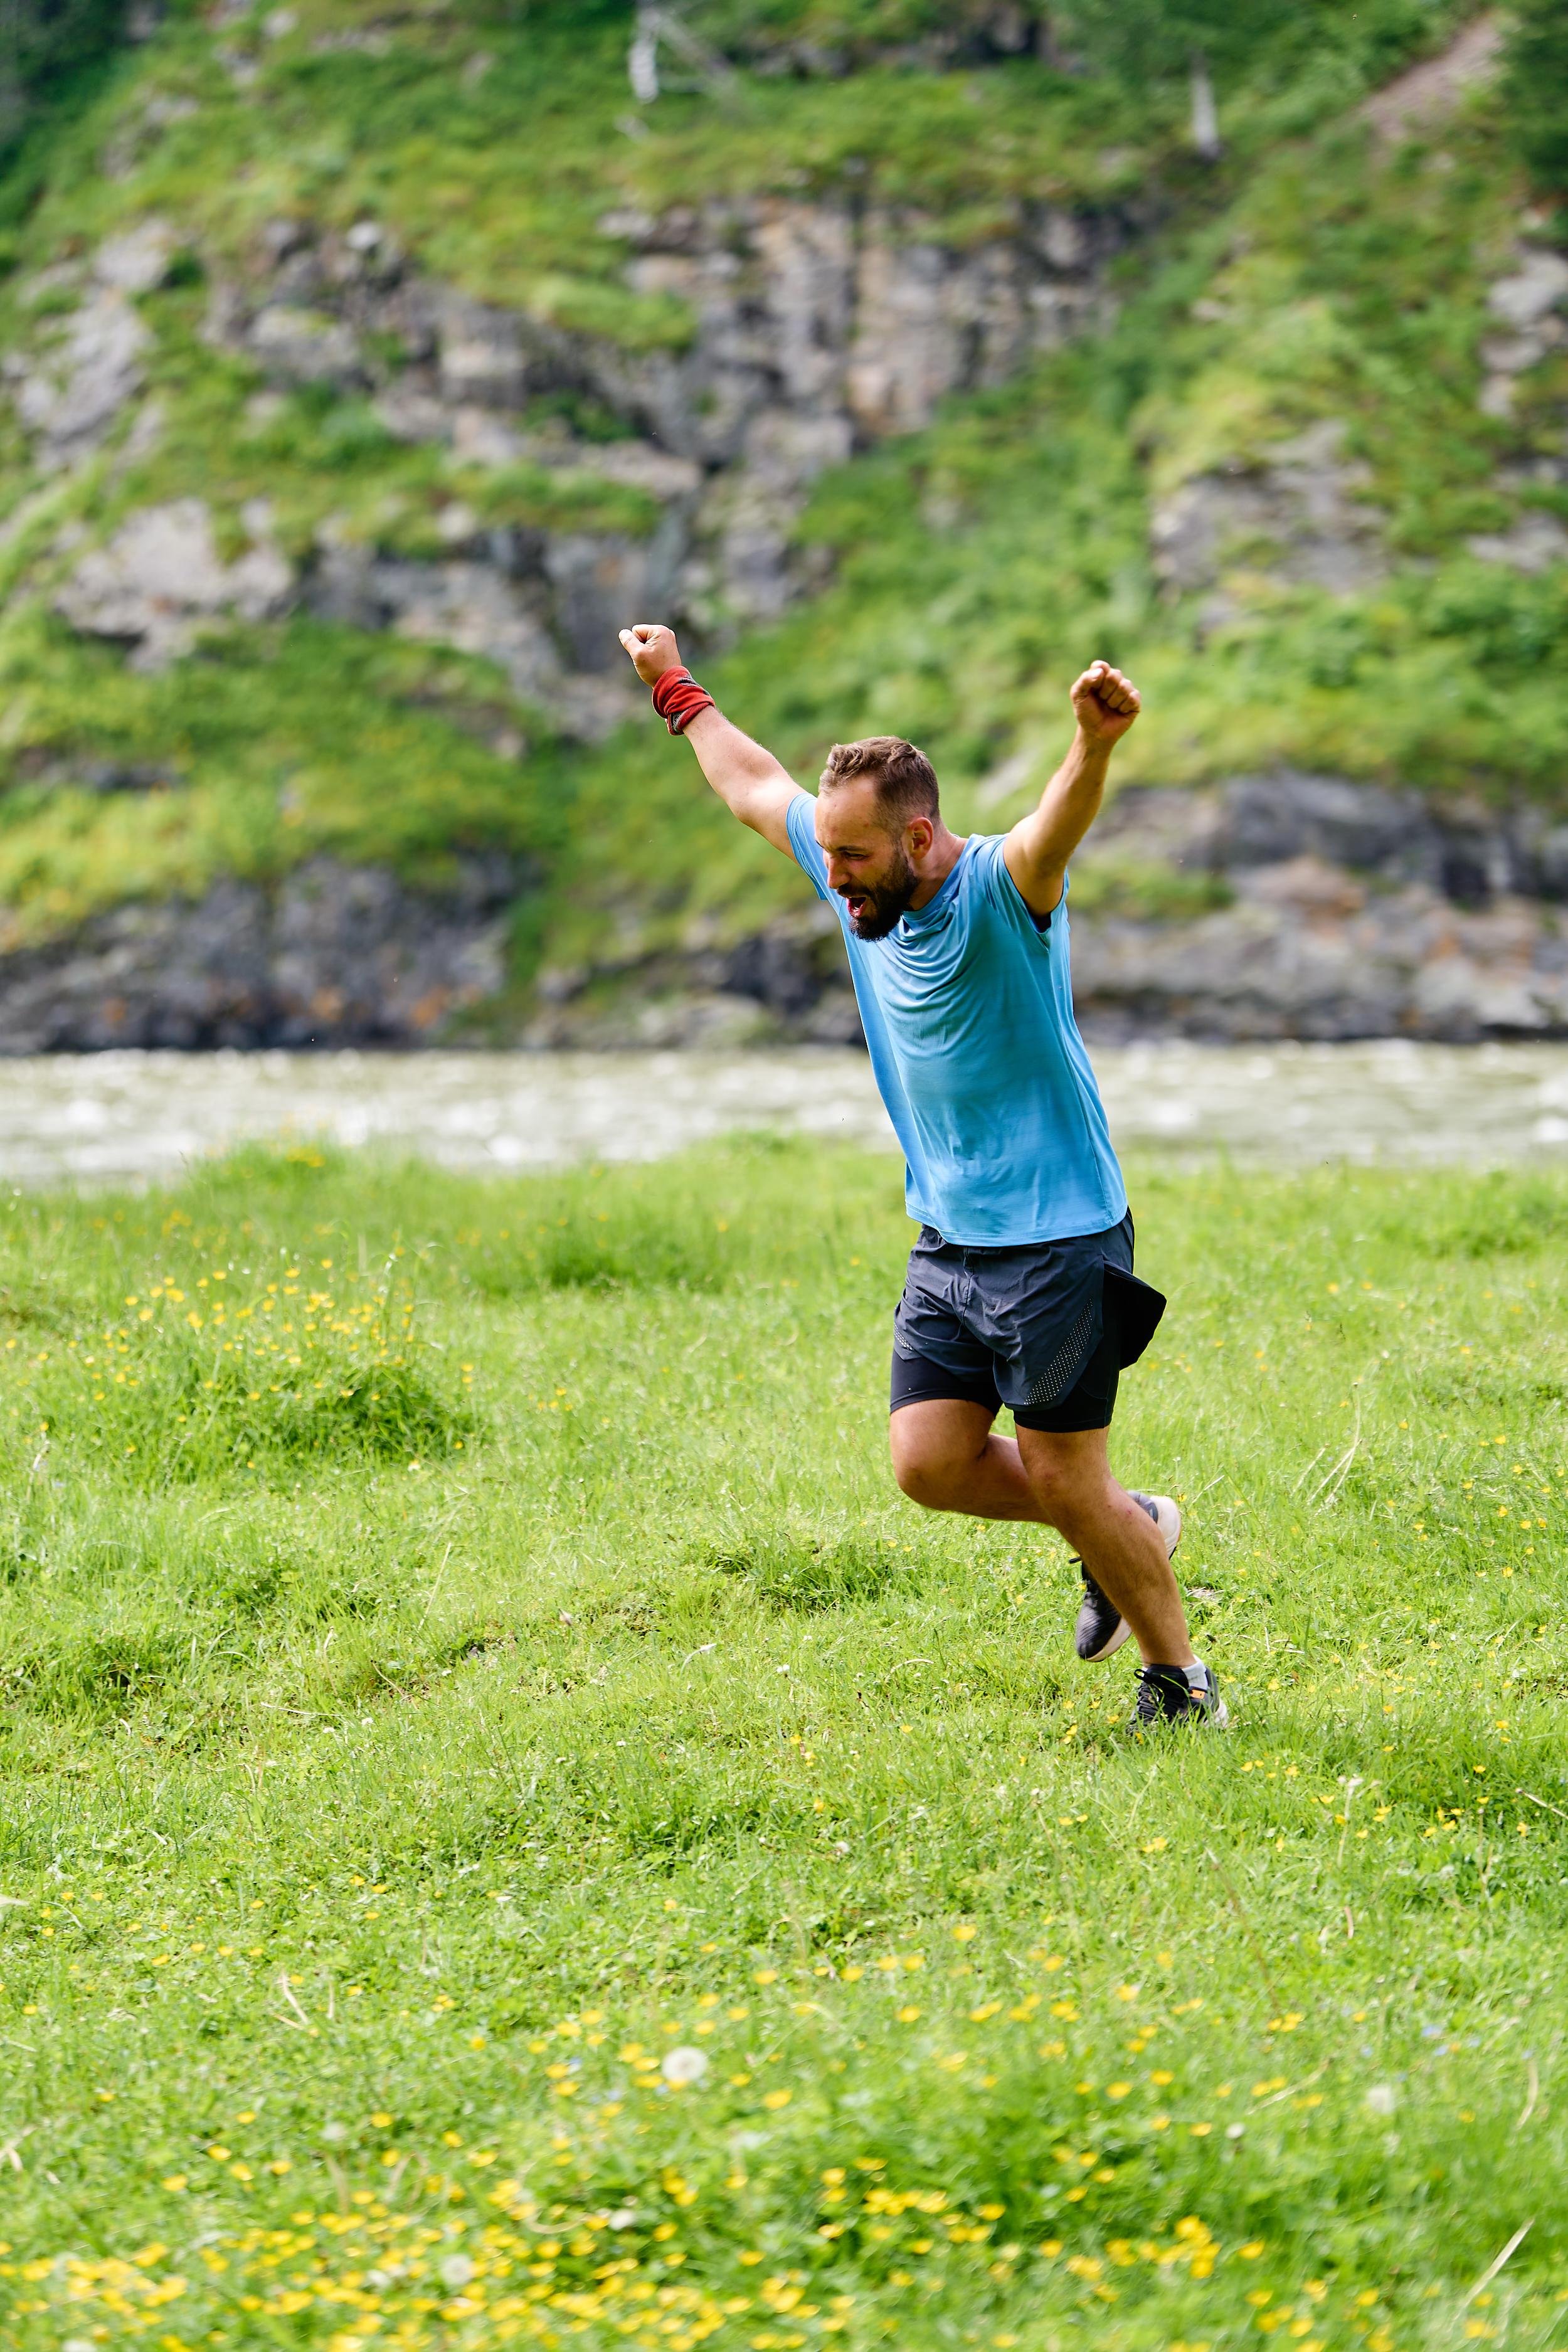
1020, 1289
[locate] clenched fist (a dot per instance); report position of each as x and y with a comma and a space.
653, 650
1104, 702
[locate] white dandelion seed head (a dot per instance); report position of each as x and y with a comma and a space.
1382, 2099
456, 2270
684, 2064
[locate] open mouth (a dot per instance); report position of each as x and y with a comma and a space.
857, 903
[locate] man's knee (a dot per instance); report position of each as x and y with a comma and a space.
1067, 1478
921, 1477
927, 1472
932, 1485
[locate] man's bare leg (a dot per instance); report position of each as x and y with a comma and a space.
946, 1457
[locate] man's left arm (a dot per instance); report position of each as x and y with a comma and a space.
1036, 851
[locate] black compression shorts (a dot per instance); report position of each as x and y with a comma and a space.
1088, 1404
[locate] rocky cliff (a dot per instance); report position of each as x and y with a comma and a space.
253, 427
817, 329
1265, 906
814, 330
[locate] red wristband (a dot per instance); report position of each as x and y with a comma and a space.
677, 698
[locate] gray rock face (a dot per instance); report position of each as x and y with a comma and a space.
137, 261
296, 346
1266, 819
479, 355
1302, 955
79, 387
1298, 517
511, 611
474, 606
339, 955
749, 516
1357, 911
1529, 305
161, 576
788, 981
1532, 542
1532, 292
1464, 851
816, 327
73, 387
820, 327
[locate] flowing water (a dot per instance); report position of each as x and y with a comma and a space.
137, 1117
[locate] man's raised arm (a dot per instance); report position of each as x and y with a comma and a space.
748, 780
1105, 704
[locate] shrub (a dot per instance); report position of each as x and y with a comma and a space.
1535, 91
184, 1390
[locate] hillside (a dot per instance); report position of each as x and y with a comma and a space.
366, 366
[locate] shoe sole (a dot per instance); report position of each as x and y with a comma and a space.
1163, 1504
1107, 1649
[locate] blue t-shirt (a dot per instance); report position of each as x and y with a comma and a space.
967, 1009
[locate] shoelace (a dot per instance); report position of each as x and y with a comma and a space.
1152, 1683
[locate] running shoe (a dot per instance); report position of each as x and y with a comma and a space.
1101, 1628
1176, 1695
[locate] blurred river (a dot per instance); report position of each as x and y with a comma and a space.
136, 1116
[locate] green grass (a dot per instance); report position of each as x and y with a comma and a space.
462, 1645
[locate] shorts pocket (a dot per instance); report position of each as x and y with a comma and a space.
1132, 1310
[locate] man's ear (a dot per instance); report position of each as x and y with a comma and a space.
919, 834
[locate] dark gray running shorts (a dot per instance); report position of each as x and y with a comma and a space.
1046, 1330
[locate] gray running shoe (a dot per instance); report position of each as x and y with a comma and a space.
1101, 1628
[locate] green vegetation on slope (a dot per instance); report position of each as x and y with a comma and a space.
1301, 56
1537, 92
980, 565
1318, 281
405, 131
279, 745
512, 1826
49, 49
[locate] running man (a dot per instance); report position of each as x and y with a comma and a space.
1020, 1289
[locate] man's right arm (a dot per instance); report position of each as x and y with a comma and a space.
748, 780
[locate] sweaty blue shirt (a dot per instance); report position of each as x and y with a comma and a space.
967, 1009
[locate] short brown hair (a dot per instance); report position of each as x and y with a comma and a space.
904, 778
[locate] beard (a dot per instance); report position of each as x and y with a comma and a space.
885, 903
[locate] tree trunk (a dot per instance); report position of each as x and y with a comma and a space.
1205, 114
642, 58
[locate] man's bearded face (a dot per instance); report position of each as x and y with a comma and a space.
869, 862
876, 903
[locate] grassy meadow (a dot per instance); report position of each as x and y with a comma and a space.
513, 1831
